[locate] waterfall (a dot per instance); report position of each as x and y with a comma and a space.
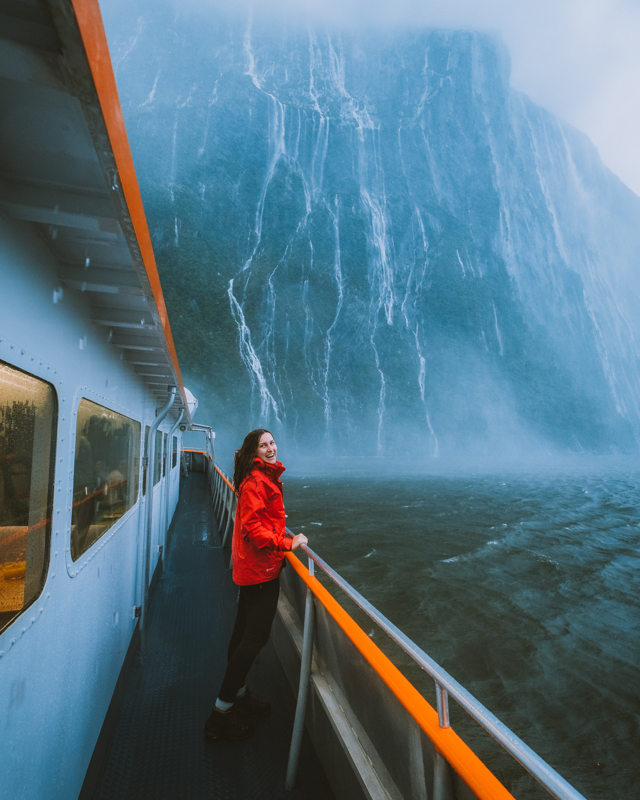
401, 254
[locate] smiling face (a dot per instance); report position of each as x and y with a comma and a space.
267, 448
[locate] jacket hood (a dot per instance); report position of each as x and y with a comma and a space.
274, 471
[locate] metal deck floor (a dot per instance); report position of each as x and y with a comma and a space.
158, 749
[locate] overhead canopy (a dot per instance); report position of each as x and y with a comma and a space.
66, 168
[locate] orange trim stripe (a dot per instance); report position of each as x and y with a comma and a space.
464, 761
224, 478
95, 44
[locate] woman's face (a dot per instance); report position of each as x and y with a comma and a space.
267, 449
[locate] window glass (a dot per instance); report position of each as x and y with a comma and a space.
28, 416
157, 468
106, 472
146, 458
174, 459
164, 460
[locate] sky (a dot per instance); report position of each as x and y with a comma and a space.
579, 59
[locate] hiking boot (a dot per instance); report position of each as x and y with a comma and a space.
251, 706
230, 725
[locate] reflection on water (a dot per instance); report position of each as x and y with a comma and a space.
523, 587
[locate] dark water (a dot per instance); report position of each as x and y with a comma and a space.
524, 587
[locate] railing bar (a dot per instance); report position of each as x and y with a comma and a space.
303, 691
531, 761
231, 518
555, 784
225, 517
224, 511
218, 497
442, 700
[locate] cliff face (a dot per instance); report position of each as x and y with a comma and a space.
371, 244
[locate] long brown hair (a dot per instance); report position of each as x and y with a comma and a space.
243, 461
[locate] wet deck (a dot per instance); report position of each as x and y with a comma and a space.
157, 748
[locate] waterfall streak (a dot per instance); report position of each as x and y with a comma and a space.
499, 337
276, 150
172, 173
152, 93
251, 360
210, 104
337, 274
118, 59
312, 71
250, 69
383, 268
422, 372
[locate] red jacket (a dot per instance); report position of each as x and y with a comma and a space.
259, 541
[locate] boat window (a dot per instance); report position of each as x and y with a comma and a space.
28, 417
106, 473
174, 459
164, 460
157, 468
146, 457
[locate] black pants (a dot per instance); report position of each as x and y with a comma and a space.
256, 610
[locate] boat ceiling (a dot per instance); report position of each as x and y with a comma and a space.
62, 169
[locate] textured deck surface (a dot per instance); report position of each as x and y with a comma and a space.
158, 749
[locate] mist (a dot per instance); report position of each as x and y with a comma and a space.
580, 60
375, 246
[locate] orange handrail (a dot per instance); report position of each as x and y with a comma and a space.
463, 760
224, 478
459, 755
201, 452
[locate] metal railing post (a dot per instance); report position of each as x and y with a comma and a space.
223, 507
442, 699
218, 503
214, 488
221, 496
442, 781
303, 688
224, 511
232, 509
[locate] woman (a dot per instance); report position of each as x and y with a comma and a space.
258, 548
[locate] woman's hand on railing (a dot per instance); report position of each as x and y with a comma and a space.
299, 539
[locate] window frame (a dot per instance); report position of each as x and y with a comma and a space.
165, 448
51, 486
86, 393
144, 472
158, 458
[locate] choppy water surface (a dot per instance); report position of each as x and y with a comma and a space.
524, 587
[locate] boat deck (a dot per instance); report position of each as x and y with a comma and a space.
156, 747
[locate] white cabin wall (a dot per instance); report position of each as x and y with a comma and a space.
60, 660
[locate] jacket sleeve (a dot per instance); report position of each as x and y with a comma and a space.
253, 525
